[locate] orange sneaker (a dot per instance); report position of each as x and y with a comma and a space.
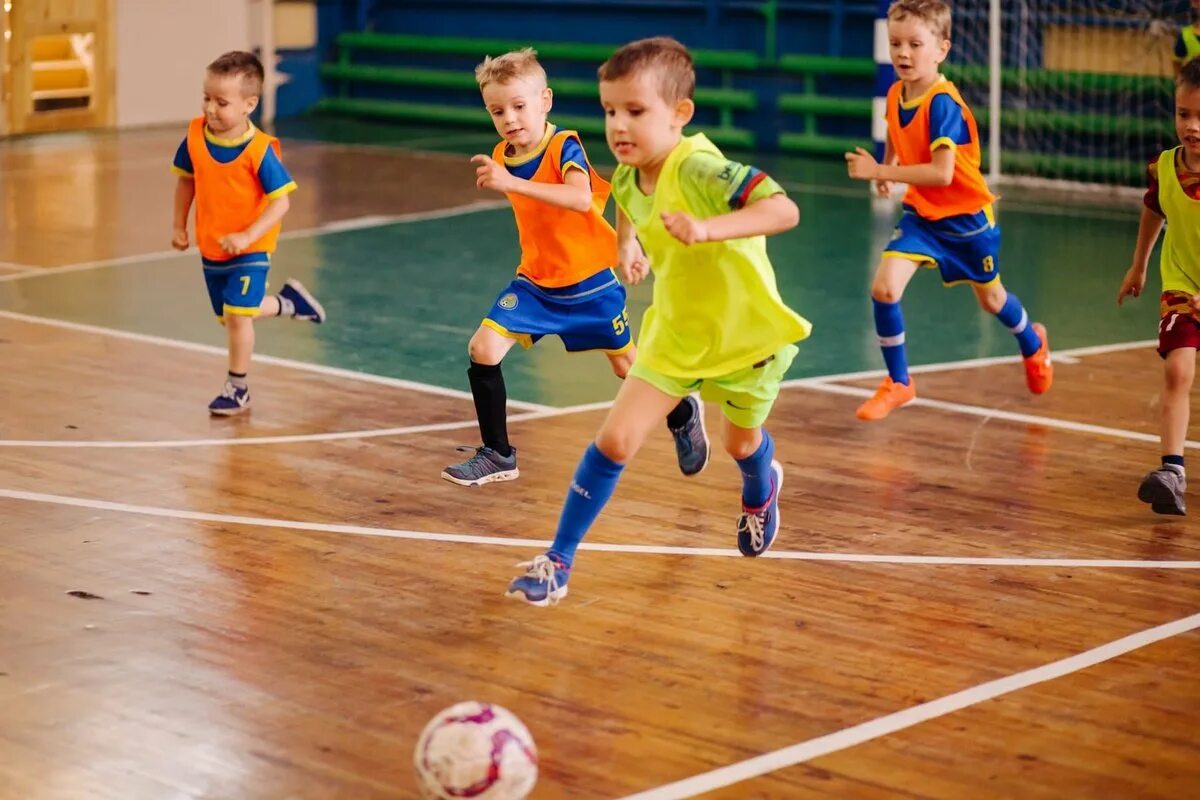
1039, 372
887, 398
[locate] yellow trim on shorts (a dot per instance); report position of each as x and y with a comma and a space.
524, 339
241, 311
921, 259
980, 284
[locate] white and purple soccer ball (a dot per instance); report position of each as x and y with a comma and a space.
476, 750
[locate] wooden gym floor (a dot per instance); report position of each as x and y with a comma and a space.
966, 600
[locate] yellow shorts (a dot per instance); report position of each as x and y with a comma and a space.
746, 396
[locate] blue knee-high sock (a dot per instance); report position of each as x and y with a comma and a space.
595, 478
889, 325
1014, 317
756, 473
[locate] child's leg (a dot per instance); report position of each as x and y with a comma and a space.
240, 331
487, 349
762, 478
1031, 336
1164, 487
293, 301
639, 407
1180, 371
898, 388
891, 279
496, 460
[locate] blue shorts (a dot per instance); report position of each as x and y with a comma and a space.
236, 289
961, 258
589, 315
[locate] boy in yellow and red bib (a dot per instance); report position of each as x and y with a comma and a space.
565, 284
1173, 199
947, 221
234, 173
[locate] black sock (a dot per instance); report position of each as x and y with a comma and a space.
238, 379
487, 387
1174, 461
680, 415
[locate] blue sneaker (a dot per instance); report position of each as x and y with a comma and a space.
306, 305
486, 466
231, 401
544, 582
756, 527
691, 440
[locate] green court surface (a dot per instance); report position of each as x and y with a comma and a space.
404, 298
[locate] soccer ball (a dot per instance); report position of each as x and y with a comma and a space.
476, 750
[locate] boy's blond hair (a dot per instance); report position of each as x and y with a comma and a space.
511, 66
244, 65
667, 58
934, 13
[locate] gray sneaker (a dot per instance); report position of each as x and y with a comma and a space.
691, 440
486, 466
1163, 489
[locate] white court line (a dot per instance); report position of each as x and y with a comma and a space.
305, 366
891, 723
504, 541
996, 413
11, 267
337, 226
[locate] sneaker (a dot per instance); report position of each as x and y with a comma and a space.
756, 527
691, 440
306, 305
486, 466
887, 398
1163, 489
231, 401
544, 582
1039, 372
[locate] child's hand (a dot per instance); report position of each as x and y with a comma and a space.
1195, 302
180, 240
632, 263
491, 175
861, 165
883, 189
235, 243
1133, 283
685, 227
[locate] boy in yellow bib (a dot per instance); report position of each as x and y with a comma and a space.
716, 324
1174, 198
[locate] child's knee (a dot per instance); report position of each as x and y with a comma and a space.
620, 364
239, 322
740, 448
991, 299
483, 349
885, 292
617, 445
1179, 371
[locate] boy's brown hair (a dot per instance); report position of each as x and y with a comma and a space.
509, 67
667, 58
1189, 76
934, 13
246, 65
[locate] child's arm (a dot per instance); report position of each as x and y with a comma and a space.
938, 172
883, 188
1135, 278
185, 192
631, 259
234, 243
764, 217
574, 193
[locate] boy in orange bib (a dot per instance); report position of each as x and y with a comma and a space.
233, 172
933, 146
565, 284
